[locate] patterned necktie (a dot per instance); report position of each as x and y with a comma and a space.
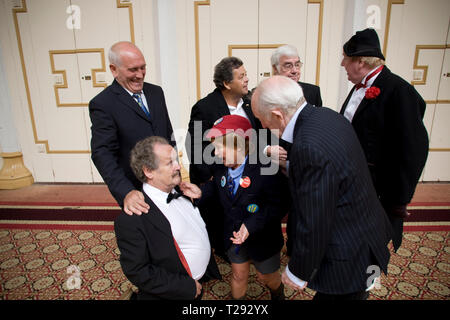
230, 185
141, 104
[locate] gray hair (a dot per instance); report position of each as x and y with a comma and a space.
286, 50
279, 92
143, 156
114, 52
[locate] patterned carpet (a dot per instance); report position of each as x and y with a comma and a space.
50, 260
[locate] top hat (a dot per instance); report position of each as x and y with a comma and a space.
364, 43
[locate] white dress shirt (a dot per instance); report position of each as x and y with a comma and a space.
288, 133
238, 110
358, 95
188, 229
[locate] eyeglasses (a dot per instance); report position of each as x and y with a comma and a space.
289, 66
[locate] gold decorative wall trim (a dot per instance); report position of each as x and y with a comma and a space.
128, 5
197, 43
421, 67
439, 150
388, 23
251, 46
64, 85
416, 66
319, 38
23, 9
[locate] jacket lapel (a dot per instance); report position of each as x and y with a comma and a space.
157, 218
367, 102
125, 98
249, 171
304, 114
344, 106
151, 104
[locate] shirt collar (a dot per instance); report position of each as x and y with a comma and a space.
240, 103
155, 194
371, 80
288, 133
131, 93
234, 173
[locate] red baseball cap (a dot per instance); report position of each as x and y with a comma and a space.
228, 124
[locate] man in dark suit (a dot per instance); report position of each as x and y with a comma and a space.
338, 227
121, 115
286, 62
229, 97
165, 253
387, 115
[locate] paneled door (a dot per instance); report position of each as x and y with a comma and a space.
251, 30
62, 46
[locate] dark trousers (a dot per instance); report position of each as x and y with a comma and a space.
363, 295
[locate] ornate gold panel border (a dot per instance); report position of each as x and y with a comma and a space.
252, 46
231, 47
424, 79
129, 6
319, 38
388, 23
64, 75
197, 43
23, 9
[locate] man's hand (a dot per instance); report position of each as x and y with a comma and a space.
240, 236
199, 288
277, 153
134, 203
289, 283
190, 190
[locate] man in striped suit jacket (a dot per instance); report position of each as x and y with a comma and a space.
338, 228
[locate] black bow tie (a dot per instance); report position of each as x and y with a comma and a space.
172, 196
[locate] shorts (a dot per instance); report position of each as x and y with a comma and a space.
267, 266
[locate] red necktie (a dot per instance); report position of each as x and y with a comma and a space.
182, 258
370, 76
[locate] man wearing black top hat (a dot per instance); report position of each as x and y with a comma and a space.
387, 115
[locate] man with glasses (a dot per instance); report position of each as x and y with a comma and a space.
286, 62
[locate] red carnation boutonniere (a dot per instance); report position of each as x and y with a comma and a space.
372, 92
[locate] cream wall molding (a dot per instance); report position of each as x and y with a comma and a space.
197, 44
23, 9
388, 23
64, 85
416, 66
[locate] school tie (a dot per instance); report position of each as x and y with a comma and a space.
230, 185
141, 104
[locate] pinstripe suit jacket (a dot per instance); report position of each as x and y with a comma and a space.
338, 226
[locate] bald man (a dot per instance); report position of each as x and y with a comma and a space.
126, 112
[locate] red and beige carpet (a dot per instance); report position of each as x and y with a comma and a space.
53, 250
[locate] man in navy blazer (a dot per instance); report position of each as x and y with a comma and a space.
387, 115
339, 230
124, 113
